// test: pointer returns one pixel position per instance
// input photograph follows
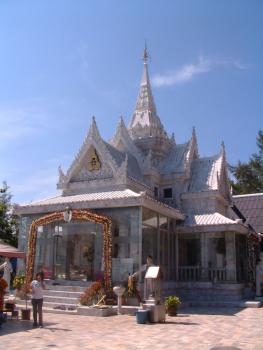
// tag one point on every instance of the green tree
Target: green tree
(8, 225)
(249, 176)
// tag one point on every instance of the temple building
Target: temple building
(136, 195)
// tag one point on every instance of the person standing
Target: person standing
(7, 268)
(3, 286)
(37, 288)
(146, 286)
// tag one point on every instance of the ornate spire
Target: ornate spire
(223, 150)
(145, 54)
(145, 121)
(93, 130)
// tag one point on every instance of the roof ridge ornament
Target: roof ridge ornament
(145, 56)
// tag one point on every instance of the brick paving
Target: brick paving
(192, 329)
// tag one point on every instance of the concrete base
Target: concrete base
(157, 312)
(253, 304)
(92, 311)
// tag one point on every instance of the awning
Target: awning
(10, 252)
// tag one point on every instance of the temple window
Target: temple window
(168, 192)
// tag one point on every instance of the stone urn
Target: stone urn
(119, 290)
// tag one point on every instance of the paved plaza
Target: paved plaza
(195, 329)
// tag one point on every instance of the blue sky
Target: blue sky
(61, 62)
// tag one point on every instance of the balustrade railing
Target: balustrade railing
(197, 273)
(189, 273)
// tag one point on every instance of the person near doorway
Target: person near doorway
(37, 288)
(7, 268)
(143, 269)
(3, 287)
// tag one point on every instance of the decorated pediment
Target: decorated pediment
(94, 163)
(93, 166)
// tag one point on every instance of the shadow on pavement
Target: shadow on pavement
(225, 348)
(16, 326)
(231, 311)
(183, 323)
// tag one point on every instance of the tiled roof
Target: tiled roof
(86, 197)
(208, 219)
(251, 206)
(204, 172)
(133, 166)
(176, 159)
(96, 200)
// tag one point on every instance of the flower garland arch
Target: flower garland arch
(76, 214)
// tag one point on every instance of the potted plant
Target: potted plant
(92, 294)
(25, 313)
(171, 304)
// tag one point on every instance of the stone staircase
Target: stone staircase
(59, 298)
(59, 295)
(206, 294)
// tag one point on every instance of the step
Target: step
(51, 304)
(226, 304)
(77, 289)
(60, 300)
(61, 293)
(51, 310)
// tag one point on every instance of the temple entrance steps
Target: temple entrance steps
(63, 295)
(207, 294)
(60, 298)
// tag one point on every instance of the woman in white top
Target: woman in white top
(7, 268)
(37, 287)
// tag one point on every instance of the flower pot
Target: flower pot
(25, 314)
(172, 310)
(142, 316)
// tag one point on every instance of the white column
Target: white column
(169, 243)
(230, 238)
(204, 257)
(176, 254)
(140, 242)
(158, 241)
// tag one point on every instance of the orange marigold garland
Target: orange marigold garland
(77, 214)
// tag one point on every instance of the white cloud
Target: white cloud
(19, 122)
(38, 186)
(189, 71)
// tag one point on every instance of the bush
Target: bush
(92, 294)
(172, 301)
(19, 281)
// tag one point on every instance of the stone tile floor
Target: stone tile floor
(192, 329)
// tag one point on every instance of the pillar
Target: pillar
(204, 256)
(176, 254)
(230, 239)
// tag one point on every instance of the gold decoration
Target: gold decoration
(77, 214)
(94, 162)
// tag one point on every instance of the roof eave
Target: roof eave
(237, 228)
(141, 200)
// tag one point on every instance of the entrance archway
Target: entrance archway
(75, 214)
